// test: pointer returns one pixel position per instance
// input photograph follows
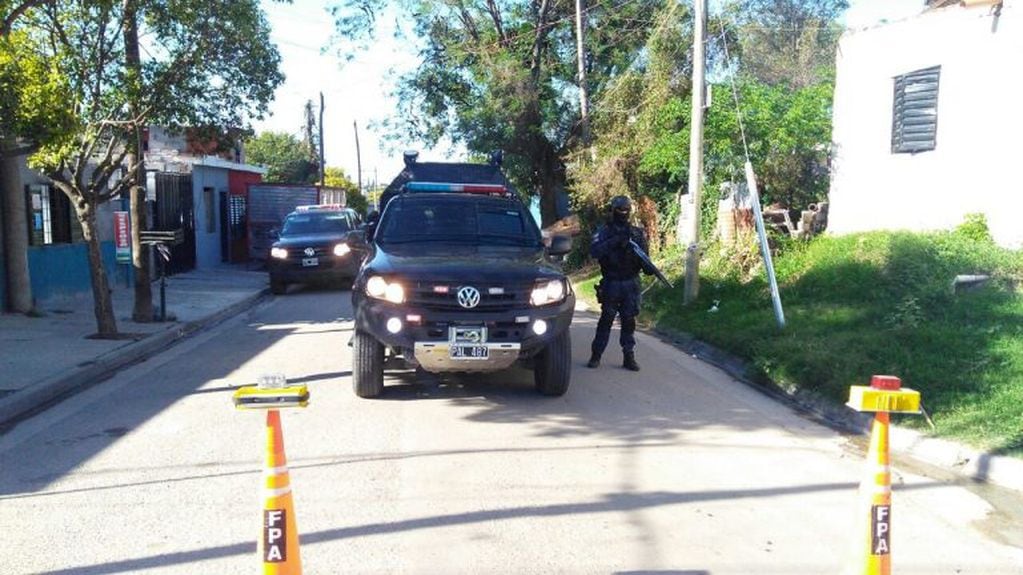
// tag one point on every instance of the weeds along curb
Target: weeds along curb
(823, 410)
(948, 456)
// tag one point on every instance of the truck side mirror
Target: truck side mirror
(370, 227)
(358, 237)
(560, 245)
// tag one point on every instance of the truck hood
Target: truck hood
(443, 262)
(310, 240)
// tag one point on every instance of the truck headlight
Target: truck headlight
(342, 249)
(547, 292)
(379, 288)
(279, 253)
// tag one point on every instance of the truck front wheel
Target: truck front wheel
(553, 368)
(367, 365)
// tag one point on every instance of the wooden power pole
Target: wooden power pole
(358, 155)
(692, 279)
(323, 160)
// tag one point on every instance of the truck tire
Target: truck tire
(277, 285)
(367, 366)
(552, 370)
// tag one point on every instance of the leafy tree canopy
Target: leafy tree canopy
(31, 89)
(284, 155)
(501, 75)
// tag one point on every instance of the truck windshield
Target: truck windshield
(458, 221)
(312, 223)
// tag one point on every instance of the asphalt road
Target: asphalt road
(674, 470)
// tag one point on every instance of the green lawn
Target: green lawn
(878, 303)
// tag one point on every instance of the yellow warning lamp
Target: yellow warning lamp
(271, 392)
(885, 394)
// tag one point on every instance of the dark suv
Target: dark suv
(313, 245)
(457, 281)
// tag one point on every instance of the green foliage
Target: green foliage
(212, 66)
(643, 126)
(874, 303)
(336, 178)
(31, 88)
(501, 75)
(285, 157)
(975, 227)
(790, 42)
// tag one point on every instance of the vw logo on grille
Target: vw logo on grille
(468, 297)
(310, 252)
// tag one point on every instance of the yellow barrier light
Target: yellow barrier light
(866, 398)
(253, 397)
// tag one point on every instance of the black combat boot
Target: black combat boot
(594, 360)
(629, 362)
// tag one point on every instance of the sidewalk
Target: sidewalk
(44, 357)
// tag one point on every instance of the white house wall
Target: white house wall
(975, 166)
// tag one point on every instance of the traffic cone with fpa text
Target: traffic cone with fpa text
(278, 541)
(885, 395)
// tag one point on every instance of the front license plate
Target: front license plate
(309, 262)
(469, 352)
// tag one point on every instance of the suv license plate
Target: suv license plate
(469, 352)
(309, 262)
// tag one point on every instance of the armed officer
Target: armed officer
(618, 291)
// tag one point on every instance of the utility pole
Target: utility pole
(692, 279)
(584, 105)
(358, 155)
(323, 160)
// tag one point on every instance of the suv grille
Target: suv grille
(443, 296)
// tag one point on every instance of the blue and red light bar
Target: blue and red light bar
(319, 208)
(491, 189)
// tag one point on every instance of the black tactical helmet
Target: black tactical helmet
(621, 209)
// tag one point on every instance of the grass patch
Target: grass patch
(877, 303)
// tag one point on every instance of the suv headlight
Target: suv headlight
(546, 292)
(279, 253)
(342, 249)
(379, 288)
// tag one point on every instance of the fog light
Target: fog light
(539, 327)
(394, 325)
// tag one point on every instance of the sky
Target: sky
(359, 90)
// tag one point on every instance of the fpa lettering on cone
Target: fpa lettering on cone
(885, 395)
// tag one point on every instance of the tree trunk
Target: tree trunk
(15, 237)
(142, 310)
(103, 307)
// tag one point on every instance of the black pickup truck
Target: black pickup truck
(458, 279)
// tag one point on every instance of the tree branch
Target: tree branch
(538, 42)
(8, 21)
(495, 15)
(467, 20)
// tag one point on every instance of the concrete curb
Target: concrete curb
(47, 391)
(954, 458)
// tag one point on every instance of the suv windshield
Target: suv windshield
(315, 223)
(457, 219)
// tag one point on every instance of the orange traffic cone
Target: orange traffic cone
(884, 396)
(278, 542)
(876, 495)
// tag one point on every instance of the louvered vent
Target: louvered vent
(915, 113)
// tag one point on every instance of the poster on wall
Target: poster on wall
(122, 237)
